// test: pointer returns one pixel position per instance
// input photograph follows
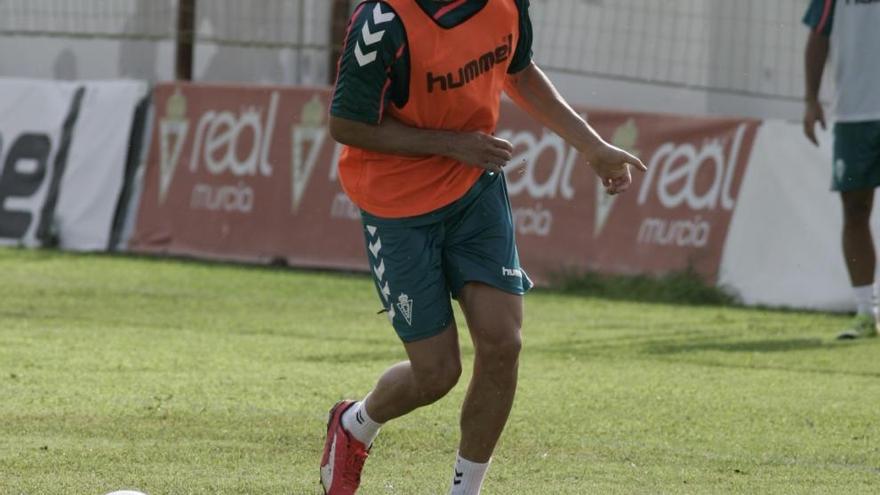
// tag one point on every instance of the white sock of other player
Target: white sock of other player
(865, 299)
(876, 301)
(467, 478)
(357, 422)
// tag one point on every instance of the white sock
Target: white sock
(876, 306)
(468, 477)
(865, 299)
(357, 422)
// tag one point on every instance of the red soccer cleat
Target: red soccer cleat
(344, 456)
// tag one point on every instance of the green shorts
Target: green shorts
(856, 156)
(418, 263)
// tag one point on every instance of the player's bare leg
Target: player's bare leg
(433, 368)
(861, 260)
(494, 318)
(431, 372)
(858, 245)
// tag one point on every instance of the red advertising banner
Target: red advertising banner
(249, 174)
(674, 217)
(245, 174)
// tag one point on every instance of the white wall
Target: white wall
(628, 95)
(784, 243)
(747, 46)
(68, 59)
(94, 54)
(679, 48)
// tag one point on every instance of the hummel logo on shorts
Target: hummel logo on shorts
(511, 272)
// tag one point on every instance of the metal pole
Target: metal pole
(301, 39)
(186, 24)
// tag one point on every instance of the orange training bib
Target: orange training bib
(457, 76)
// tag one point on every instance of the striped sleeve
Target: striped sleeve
(820, 16)
(373, 44)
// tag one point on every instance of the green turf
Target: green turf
(178, 378)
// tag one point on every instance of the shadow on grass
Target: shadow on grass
(612, 344)
(747, 346)
(664, 345)
(666, 350)
(389, 356)
(285, 331)
(771, 366)
(683, 287)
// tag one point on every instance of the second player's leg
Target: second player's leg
(494, 318)
(858, 244)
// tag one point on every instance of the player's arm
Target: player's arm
(532, 91)
(392, 137)
(819, 18)
(373, 63)
(815, 59)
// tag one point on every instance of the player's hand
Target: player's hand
(813, 114)
(481, 150)
(612, 165)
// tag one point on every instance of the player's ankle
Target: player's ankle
(359, 424)
(468, 476)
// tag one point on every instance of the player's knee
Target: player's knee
(501, 351)
(435, 382)
(856, 212)
(507, 351)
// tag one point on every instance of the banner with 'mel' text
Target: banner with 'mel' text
(63, 150)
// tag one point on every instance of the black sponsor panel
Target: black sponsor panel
(132, 165)
(46, 232)
(24, 170)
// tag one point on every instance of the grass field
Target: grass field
(178, 378)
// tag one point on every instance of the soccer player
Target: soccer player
(416, 102)
(855, 40)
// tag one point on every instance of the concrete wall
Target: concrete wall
(665, 55)
(92, 54)
(651, 55)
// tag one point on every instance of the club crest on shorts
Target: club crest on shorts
(405, 304)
